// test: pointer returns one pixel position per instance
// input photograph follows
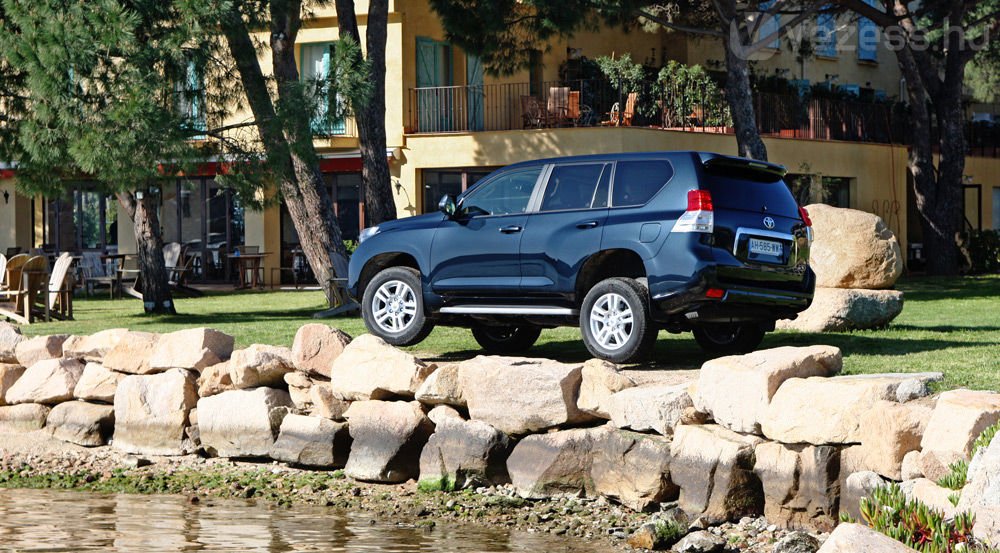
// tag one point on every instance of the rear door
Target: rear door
(566, 229)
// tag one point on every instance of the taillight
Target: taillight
(715, 293)
(699, 216)
(699, 200)
(805, 216)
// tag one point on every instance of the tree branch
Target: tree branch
(679, 28)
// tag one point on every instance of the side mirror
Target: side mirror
(447, 205)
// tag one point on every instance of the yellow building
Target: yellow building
(449, 123)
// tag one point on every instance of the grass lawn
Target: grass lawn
(948, 325)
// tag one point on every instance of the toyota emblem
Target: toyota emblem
(768, 222)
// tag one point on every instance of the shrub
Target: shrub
(983, 251)
(958, 474)
(887, 510)
(669, 532)
(984, 439)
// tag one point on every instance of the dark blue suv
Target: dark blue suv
(621, 245)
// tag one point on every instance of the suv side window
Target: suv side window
(505, 195)
(636, 182)
(574, 187)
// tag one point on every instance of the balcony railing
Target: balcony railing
(596, 103)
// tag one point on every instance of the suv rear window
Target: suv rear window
(749, 190)
(638, 181)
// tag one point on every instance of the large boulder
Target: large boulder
(25, 417)
(714, 468)
(81, 423)
(97, 384)
(442, 387)
(191, 348)
(151, 413)
(95, 346)
(853, 249)
(312, 442)
(325, 404)
(555, 464)
(10, 337)
(9, 374)
(931, 494)
(50, 382)
(736, 390)
(632, 469)
(369, 368)
(827, 410)
(260, 365)
(801, 485)
(599, 381)
(316, 347)
(840, 310)
(890, 432)
(959, 417)
(39, 348)
(242, 423)
(982, 492)
(464, 454)
(215, 380)
(519, 395)
(388, 437)
(132, 353)
(855, 538)
(652, 408)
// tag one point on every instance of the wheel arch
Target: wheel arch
(607, 264)
(381, 262)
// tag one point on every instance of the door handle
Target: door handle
(512, 229)
(588, 224)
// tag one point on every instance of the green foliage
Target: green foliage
(669, 531)
(985, 438)
(627, 77)
(691, 90)
(430, 485)
(915, 524)
(982, 248)
(958, 474)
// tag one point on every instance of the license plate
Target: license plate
(765, 247)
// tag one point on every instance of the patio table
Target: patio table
(248, 262)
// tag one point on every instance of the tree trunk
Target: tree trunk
(943, 220)
(739, 96)
(288, 141)
(379, 203)
(156, 296)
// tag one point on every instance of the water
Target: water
(47, 520)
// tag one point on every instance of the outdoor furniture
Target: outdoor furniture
(619, 118)
(59, 293)
(129, 277)
(12, 251)
(299, 269)
(98, 270)
(249, 269)
(558, 105)
(178, 268)
(3, 270)
(12, 272)
(18, 300)
(532, 114)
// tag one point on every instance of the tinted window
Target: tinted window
(572, 187)
(638, 181)
(743, 189)
(504, 195)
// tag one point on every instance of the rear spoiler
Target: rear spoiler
(749, 167)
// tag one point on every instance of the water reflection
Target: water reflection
(46, 520)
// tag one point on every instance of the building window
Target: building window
(826, 35)
(437, 183)
(535, 76)
(769, 24)
(82, 220)
(868, 36)
(191, 100)
(207, 219)
(315, 60)
(808, 189)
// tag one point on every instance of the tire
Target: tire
(506, 340)
(633, 342)
(729, 339)
(393, 307)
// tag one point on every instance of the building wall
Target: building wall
(15, 214)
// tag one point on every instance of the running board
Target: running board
(509, 310)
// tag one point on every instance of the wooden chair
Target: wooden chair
(59, 294)
(532, 114)
(623, 118)
(12, 251)
(558, 105)
(3, 270)
(18, 300)
(12, 272)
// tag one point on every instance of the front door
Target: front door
(433, 93)
(476, 253)
(476, 91)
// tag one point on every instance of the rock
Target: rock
(656, 408)
(891, 431)
(519, 395)
(599, 381)
(632, 469)
(982, 493)
(800, 483)
(133, 462)
(442, 388)
(9, 374)
(316, 347)
(856, 486)
(214, 380)
(700, 541)
(736, 390)
(325, 405)
(935, 465)
(312, 442)
(444, 412)
(646, 537)
(95, 346)
(151, 413)
(50, 382)
(25, 417)
(97, 384)
(10, 337)
(853, 249)
(31, 351)
(910, 469)
(826, 410)
(191, 348)
(464, 454)
(299, 385)
(959, 417)
(260, 365)
(249, 434)
(931, 494)
(854, 538)
(132, 353)
(555, 464)
(388, 437)
(369, 368)
(837, 310)
(797, 542)
(714, 468)
(81, 423)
